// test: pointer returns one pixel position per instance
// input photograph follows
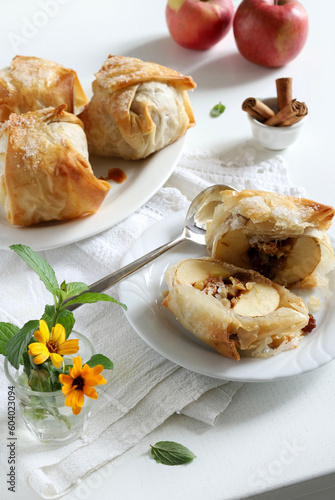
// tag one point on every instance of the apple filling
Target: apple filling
(245, 297)
(232, 309)
(287, 262)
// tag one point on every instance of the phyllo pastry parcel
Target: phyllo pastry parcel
(32, 83)
(234, 310)
(137, 108)
(282, 237)
(44, 170)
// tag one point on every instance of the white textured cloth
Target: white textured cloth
(144, 389)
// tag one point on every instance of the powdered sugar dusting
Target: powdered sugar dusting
(254, 206)
(118, 72)
(32, 71)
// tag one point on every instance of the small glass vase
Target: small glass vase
(45, 413)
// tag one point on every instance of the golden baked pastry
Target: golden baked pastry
(32, 83)
(137, 108)
(44, 170)
(234, 310)
(282, 237)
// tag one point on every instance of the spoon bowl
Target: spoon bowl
(200, 211)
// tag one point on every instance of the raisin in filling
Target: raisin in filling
(311, 324)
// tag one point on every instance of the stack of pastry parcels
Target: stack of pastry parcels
(260, 245)
(137, 108)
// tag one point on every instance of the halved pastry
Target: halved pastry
(44, 170)
(282, 237)
(234, 310)
(137, 108)
(32, 83)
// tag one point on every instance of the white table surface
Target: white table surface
(273, 435)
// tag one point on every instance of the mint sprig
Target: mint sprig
(77, 290)
(14, 341)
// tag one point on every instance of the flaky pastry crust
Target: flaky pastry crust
(46, 174)
(137, 108)
(205, 296)
(32, 83)
(283, 237)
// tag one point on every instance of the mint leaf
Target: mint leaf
(7, 330)
(100, 359)
(39, 265)
(18, 343)
(26, 362)
(66, 319)
(171, 453)
(48, 316)
(91, 298)
(96, 359)
(217, 110)
(54, 373)
(40, 380)
(75, 288)
(70, 290)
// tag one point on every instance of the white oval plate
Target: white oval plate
(142, 292)
(144, 178)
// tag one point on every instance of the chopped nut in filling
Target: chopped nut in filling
(277, 340)
(225, 290)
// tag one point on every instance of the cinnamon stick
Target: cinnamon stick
(302, 111)
(289, 115)
(284, 92)
(257, 109)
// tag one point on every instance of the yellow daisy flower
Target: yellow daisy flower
(51, 345)
(79, 383)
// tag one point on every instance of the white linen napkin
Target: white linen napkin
(144, 389)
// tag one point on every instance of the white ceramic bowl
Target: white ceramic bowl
(275, 138)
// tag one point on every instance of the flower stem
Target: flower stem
(53, 410)
(58, 305)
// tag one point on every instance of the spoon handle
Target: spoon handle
(111, 279)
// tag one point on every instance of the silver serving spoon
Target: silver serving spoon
(200, 210)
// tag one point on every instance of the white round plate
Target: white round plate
(144, 178)
(143, 291)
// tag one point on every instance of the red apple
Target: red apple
(270, 32)
(199, 24)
